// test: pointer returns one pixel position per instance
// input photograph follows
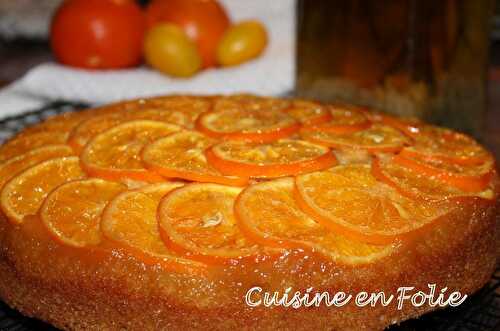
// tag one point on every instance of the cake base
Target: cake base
(110, 291)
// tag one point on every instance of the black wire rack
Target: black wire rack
(480, 312)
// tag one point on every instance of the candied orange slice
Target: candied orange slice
(268, 214)
(344, 120)
(88, 129)
(435, 143)
(198, 221)
(249, 102)
(468, 178)
(23, 194)
(181, 155)
(347, 119)
(408, 125)
(417, 185)
(72, 212)
(378, 138)
(26, 141)
(130, 221)
(275, 159)
(83, 133)
(183, 109)
(350, 201)
(115, 153)
(63, 122)
(17, 164)
(247, 124)
(309, 112)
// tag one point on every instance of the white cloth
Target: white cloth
(271, 74)
(14, 100)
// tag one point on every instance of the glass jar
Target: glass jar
(421, 58)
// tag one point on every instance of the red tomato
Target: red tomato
(204, 21)
(100, 34)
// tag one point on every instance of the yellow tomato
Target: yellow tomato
(168, 49)
(242, 42)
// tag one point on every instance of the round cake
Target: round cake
(242, 212)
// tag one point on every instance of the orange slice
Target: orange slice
(344, 120)
(416, 185)
(468, 178)
(88, 129)
(198, 221)
(83, 133)
(408, 125)
(249, 102)
(115, 153)
(435, 143)
(183, 109)
(378, 138)
(72, 212)
(308, 112)
(268, 214)
(352, 156)
(275, 159)
(181, 155)
(17, 164)
(23, 194)
(350, 201)
(244, 124)
(27, 141)
(130, 221)
(62, 122)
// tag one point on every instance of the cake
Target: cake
(235, 212)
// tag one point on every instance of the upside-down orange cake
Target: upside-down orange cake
(192, 213)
